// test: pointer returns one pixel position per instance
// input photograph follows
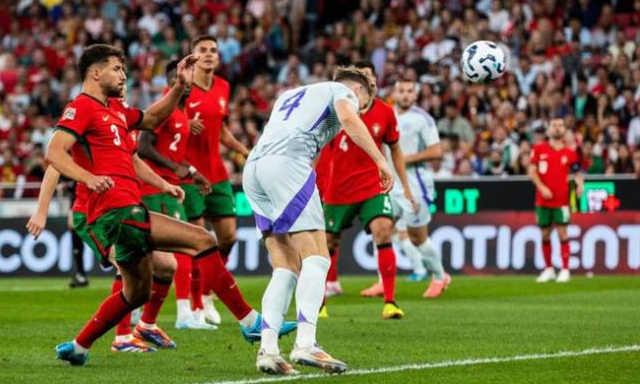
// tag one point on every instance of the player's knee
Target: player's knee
(138, 295)
(383, 234)
(204, 240)
(166, 270)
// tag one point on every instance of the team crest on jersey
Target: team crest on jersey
(223, 103)
(376, 129)
(69, 114)
(563, 160)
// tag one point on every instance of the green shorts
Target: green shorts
(81, 228)
(127, 228)
(340, 216)
(218, 203)
(165, 204)
(547, 216)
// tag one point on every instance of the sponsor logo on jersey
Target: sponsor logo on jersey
(178, 125)
(193, 105)
(69, 114)
(105, 118)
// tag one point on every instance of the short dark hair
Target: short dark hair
(363, 64)
(171, 67)
(97, 54)
(202, 38)
(354, 74)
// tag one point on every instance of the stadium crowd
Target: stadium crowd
(576, 58)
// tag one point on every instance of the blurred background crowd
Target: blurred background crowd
(576, 58)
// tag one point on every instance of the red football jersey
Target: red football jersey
(323, 167)
(553, 168)
(212, 107)
(104, 147)
(171, 143)
(82, 196)
(354, 176)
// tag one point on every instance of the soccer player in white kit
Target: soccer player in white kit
(420, 142)
(279, 182)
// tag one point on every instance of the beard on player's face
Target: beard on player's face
(112, 90)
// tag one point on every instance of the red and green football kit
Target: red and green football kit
(203, 152)
(353, 185)
(554, 167)
(105, 147)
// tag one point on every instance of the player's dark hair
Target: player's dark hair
(97, 54)
(171, 67)
(357, 75)
(365, 64)
(202, 38)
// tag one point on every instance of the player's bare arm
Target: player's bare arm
(579, 179)
(147, 175)
(535, 178)
(161, 109)
(432, 152)
(58, 156)
(398, 158)
(357, 131)
(226, 138)
(38, 221)
(202, 182)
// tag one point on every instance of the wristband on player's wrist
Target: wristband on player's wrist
(192, 170)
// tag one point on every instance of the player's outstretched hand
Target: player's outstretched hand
(100, 184)
(185, 69)
(203, 183)
(546, 192)
(174, 191)
(386, 177)
(36, 223)
(196, 126)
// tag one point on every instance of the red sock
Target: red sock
(546, 253)
(224, 285)
(564, 253)
(112, 310)
(196, 286)
(332, 274)
(207, 273)
(124, 326)
(159, 291)
(387, 268)
(182, 277)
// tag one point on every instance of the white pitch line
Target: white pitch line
(441, 364)
(47, 289)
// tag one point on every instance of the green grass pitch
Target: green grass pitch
(477, 318)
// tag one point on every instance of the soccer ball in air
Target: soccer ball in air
(483, 62)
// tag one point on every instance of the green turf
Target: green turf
(476, 318)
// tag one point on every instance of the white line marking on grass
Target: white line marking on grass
(441, 364)
(49, 288)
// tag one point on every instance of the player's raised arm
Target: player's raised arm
(38, 221)
(161, 109)
(357, 131)
(58, 156)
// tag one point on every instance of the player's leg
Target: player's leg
(220, 209)
(333, 287)
(543, 218)
(561, 225)
(311, 246)
(401, 238)
(194, 207)
(164, 267)
(276, 301)
(337, 218)
(79, 279)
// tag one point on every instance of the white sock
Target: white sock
(79, 348)
(124, 338)
(250, 319)
(147, 326)
(413, 253)
(309, 295)
(184, 309)
(275, 303)
(432, 259)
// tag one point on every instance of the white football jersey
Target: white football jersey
(303, 121)
(418, 131)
